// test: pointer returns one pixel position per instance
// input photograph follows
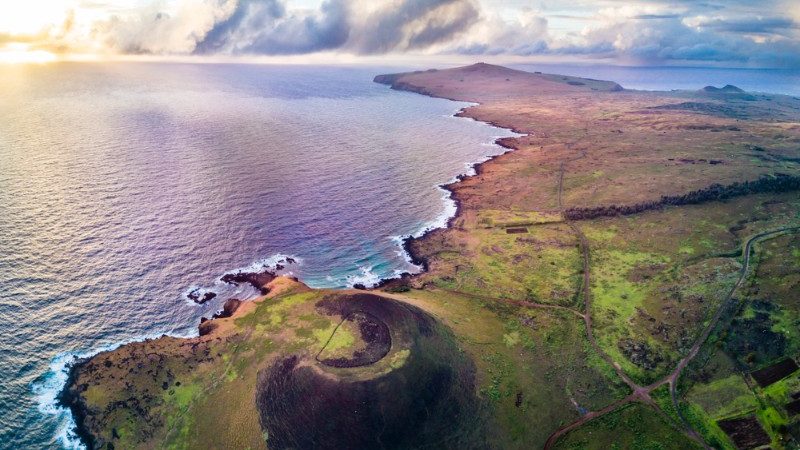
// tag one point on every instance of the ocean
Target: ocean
(125, 186)
(665, 78)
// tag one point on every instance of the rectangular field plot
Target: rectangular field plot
(776, 372)
(793, 408)
(745, 432)
(516, 230)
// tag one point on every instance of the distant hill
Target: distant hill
(488, 78)
(727, 89)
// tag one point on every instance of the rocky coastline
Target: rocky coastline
(508, 143)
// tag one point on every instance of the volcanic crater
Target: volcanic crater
(401, 383)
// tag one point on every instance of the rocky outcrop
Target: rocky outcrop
(230, 307)
(200, 297)
(258, 280)
(206, 326)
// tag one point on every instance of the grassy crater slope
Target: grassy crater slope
(532, 327)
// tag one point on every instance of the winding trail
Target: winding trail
(507, 301)
(674, 377)
(642, 393)
(585, 287)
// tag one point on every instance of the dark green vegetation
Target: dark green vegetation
(627, 278)
(749, 369)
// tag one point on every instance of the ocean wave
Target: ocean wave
(272, 263)
(278, 263)
(365, 277)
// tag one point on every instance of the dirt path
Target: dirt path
(642, 393)
(639, 393)
(508, 301)
(551, 441)
(586, 283)
(673, 378)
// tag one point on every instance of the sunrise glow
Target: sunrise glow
(21, 53)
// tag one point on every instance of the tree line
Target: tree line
(779, 182)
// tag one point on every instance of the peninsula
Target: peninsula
(627, 275)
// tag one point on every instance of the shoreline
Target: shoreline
(477, 167)
(506, 143)
(76, 414)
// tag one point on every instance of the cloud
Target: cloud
(651, 32)
(268, 27)
(656, 16)
(157, 29)
(759, 25)
(637, 31)
(526, 34)
(411, 25)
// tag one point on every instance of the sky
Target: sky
(730, 33)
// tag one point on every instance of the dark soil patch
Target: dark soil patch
(751, 341)
(793, 408)
(709, 127)
(745, 432)
(640, 353)
(709, 108)
(776, 372)
(518, 230)
(645, 272)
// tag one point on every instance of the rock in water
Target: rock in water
(258, 280)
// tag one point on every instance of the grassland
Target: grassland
(531, 328)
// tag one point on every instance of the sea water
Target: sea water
(123, 186)
(666, 78)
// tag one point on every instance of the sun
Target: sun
(22, 54)
(31, 16)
